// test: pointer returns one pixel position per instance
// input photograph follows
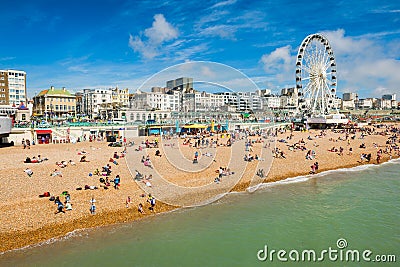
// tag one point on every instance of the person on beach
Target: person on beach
(68, 206)
(140, 208)
(128, 201)
(314, 168)
(83, 159)
(60, 205)
(152, 202)
(93, 206)
(117, 181)
(23, 143)
(67, 198)
(350, 151)
(56, 173)
(28, 171)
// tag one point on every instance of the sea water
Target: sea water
(356, 210)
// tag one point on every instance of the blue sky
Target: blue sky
(105, 43)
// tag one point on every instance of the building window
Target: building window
(23, 117)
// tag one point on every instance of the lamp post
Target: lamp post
(51, 114)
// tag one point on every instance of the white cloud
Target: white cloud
(224, 3)
(79, 68)
(206, 71)
(160, 32)
(147, 51)
(277, 59)
(222, 31)
(280, 63)
(223, 24)
(365, 64)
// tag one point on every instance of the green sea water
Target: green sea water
(360, 206)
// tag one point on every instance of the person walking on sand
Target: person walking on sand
(93, 206)
(152, 202)
(128, 201)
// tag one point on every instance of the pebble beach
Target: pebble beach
(28, 219)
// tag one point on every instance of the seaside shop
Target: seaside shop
(44, 136)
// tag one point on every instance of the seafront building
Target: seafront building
(105, 104)
(12, 87)
(157, 99)
(54, 104)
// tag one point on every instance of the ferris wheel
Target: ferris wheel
(316, 78)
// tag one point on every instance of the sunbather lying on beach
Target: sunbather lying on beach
(29, 172)
(56, 173)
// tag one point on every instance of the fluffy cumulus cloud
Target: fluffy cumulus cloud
(149, 42)
(364, 64)
(280, 63)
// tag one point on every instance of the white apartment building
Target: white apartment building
(243, 101)
(12, 87)
(386, 104)
(231, 99)
(156, 100)
(271, 102)
(348, 105)
(202, 101)
(96, 100)
(366, 103)
(249, 101)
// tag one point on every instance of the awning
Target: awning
(43, 131)
(194, 126)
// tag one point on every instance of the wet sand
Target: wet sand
(27, 219)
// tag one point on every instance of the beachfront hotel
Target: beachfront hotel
(54, 103)
(12, 87)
